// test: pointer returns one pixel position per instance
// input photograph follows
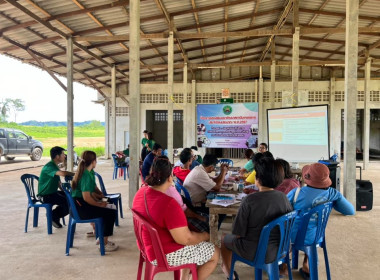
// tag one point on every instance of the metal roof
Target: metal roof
(34, 31)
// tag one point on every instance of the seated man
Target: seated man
(263, 147)
(186, 158)
(198, 182)
(194, 162)
(49, 182)
(148, 161)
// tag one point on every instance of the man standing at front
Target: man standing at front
(49, 182)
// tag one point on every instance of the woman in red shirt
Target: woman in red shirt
(180, 245)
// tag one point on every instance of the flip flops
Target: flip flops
(90, 234)
(304, 274)
(236, 276)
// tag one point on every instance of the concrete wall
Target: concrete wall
(154, 97)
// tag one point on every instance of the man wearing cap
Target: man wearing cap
(317, 191)
(49, 182)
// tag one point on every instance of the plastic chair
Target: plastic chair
(28, 181)
(180, 188)
(285, 225)
(114, 197)
(162, 264)
(123, 168)
(230, 162)
(75, 219)
(320, 215)
(68, 178)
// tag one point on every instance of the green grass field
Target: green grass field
(85, 137)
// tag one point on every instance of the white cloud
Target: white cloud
(44, 99)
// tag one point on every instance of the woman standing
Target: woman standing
(144, 141)
(180, 245)
(150, 143)
(88, 199)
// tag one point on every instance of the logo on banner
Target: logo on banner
(227, 110)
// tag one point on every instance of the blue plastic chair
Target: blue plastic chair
(75, 219)
(285, 224)
(114, 197)
(28, 181)
(230, 162)
(118, 166)
(320, 215)
(180, 188)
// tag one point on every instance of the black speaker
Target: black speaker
(334, 176)
(364, 195)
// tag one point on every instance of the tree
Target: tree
(8, 104)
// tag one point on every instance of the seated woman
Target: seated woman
(289, 182)
(88, 200)
(248, 167)
(180, 245)
(257, 210)
(251, 178)
(316, 192)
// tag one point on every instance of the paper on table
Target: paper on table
(224, 203)
(240, 196)
(111, 206)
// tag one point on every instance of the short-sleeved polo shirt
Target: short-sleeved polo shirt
(198, 183)
(249, 166)
(85, 184)
(144, 141)
(48, 182)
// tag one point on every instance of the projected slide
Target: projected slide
(299, 134)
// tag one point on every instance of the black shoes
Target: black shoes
(57, 224)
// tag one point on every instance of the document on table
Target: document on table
(240, 196)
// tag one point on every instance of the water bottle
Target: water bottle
(241, 186)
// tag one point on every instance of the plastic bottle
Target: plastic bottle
(241, 185)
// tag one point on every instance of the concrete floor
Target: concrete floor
(353, 242)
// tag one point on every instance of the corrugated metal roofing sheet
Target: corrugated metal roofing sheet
(114, 20)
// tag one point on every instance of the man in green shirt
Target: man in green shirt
(49, 182)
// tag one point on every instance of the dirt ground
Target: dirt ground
(353, 242)
(79, 141)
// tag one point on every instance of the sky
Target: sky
(44, 99)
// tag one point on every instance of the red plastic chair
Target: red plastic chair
(162, 265)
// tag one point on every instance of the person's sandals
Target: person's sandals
(110, 246)
(90, 234)
(305, 275)
(236, 276)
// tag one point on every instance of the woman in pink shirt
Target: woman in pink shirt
(289, 182)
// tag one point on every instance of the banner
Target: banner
(227, 125)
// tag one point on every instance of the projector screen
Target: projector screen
(299, 134)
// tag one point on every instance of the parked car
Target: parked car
(14, 142)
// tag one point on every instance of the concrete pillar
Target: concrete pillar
(70, 105)
(367, 88)
(113, 118)
(295, 63)
(170, 94)
(134, 98)
(193, 115)
(107, 129)
(272, 84)
(261, 107)
(333, 130)
(185, 112)
(351, 90)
